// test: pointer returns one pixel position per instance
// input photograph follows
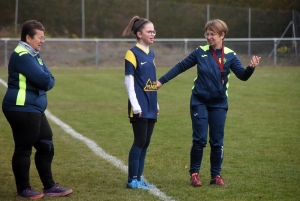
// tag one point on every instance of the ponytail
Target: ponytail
(135, 24)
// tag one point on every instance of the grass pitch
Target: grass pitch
(261, 160)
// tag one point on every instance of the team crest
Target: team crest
(224, 60)
(150, 86)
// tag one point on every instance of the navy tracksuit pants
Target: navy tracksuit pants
(207, 116)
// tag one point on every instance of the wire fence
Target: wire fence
(86, 33)
(108, 18)
(108, 53)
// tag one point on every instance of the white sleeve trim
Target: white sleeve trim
(129, 83)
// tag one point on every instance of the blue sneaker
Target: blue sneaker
(29, 193)
(134, 184)
(143, 183)
(57, 190)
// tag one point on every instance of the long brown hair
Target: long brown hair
(136, 24)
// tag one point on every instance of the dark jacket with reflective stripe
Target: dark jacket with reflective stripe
(28, 80)
(208, 83)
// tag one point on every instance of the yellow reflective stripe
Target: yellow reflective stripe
(131, 58)
(40, 61)
(205, 48)
(21, 50)
(194, 81)
(227, 84)
(22, 90)
(227, 50)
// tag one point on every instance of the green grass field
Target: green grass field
(262, 152)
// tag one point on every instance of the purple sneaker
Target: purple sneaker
(57, 190)
(29, 193)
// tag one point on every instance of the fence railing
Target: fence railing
(108, 19)
(109, 52)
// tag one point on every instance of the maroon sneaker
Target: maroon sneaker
(195, 180)
(218, 180)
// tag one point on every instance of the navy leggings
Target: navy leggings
(142, 133)
(142, 130)
(212, 116)
(31, 130)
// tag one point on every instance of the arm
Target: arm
(30, 68)
(182, 66)
(52, 80)
(132, 95)
(240, 71)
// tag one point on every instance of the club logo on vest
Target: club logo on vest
(150, 86)
(224, 60)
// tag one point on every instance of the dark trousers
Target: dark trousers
(212, 116)
(31, 130)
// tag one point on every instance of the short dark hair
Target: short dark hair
(29, 27)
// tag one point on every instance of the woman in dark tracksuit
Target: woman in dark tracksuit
(208, 105)
(24, 105)
(140, 82)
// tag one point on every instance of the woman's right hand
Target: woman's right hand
(254, 61)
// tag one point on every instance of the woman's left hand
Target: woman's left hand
(254, 61)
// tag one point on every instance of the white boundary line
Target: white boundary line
(98, 150)
(3, 82)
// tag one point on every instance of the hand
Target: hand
(158, 111)
(158, 84)
(140, 114)
(254, 61)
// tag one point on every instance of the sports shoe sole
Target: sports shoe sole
(31, 197)
(67, 192)
(196, 185)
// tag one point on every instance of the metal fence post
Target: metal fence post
(147, 9)
(185, 46)
(249, 31)
(83, 18)
(275, 52)
(294, 35)
(97, 53)
(207, 12)
(5, 54)
(16, 16)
